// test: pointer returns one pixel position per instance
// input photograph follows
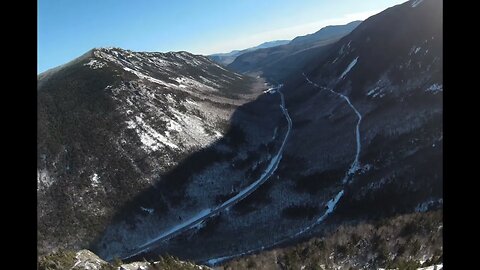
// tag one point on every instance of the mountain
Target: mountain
(359, 139)
(269, 44)
(227, 58)
(328, 32)
(279, 62)
(113, 121)
(352, 138)
(373, 106)
(365, 142)
(366, 145)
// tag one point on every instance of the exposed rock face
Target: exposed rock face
(81, 260)
(87, 260)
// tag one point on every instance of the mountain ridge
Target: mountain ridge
(325, 32)
(279, 62)
(227, 58)
(132, 145)
(91, 107)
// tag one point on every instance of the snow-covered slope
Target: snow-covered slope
(143, 154)
(112, 122)
(398, 166)
(393, 80)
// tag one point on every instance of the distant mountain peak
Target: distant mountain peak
(279, 61)
(326, 32)
(227, 58)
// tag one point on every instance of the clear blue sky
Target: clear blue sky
(69, 28)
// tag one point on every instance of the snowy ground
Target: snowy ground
(206, 213)
(331, 204)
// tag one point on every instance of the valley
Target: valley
(202, 216)
(316, 150)
(330, 206)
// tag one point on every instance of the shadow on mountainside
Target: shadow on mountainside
(401, 139)
(251, 124)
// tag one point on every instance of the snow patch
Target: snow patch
(423, 207)
(350, 66)
(170, 99)
(191, 102)
(87, 260)
(150, 138)
(270, 90)
(331, 204)
(414, 50)
(180, 81)
(187, 82)
(416, 3)
(344, 48)
(372, 92)
(215, 261)
(94, 178)
(131, 124)
(135, 266)
(432, 267)
(148, 210)
(435, 88)
(146, 77)
(172, 125)
(194, 125)
(376, 92)
(44, 179)
(95, 64)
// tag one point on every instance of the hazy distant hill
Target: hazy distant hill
(277, 63)
(227, 58)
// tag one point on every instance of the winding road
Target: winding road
(205, 214)
(355, 165)
(331, 204)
